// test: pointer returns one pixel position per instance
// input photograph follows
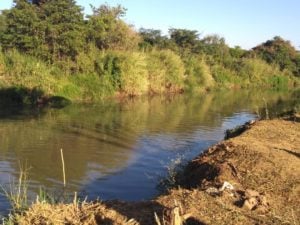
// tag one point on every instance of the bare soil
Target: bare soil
(259, 171)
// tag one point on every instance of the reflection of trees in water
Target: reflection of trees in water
(101, 138)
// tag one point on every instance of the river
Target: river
(121, 150)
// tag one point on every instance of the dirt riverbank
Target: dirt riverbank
(253, 178)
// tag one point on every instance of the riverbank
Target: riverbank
(249, 179)
(28, 80)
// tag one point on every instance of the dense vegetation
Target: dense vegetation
(49, 48)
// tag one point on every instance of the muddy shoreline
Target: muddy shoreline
(252, 178)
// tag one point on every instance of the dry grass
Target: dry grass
(16, 193)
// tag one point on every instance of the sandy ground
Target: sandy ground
(253, 178)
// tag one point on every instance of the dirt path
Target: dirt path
(250, 179)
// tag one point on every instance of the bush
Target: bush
(198, 74)
(166, 71)
(259, 72)
(123, 72)
(221, 75)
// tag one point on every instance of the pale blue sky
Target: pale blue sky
(242, 22)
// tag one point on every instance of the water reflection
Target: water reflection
(115, 150)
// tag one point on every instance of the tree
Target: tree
(2, 23)
(21, 27)
(51, 29)
(237, 52)
(38, 2)
(108, 31)
(63, 24)
(215, 46)
(278, 51)
(153, 38)
(186, 40)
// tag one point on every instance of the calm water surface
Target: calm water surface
(121, 150)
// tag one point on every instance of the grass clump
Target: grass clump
(223, 76)
(133, 73)
(166, 71)
(256, 71)
(16, 193)
(199, 76)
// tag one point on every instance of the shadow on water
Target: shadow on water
(21, 96)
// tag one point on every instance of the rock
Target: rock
(251, 193)
(250, 203)
(212, 191)
(263, 201)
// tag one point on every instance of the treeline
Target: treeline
(50, 48)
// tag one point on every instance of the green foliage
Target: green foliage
(278, 51)
(279, 81)
(153, 39)
(52, 30)
(21, 27)
(2, 24)
(62, 22)
(186, 40)
(166, 72)
(49, 50)
(215, 47)
(108, 31)
(86, 61)
(258, 72)
(133, 73)
(86, 87)
(297, 62)
(222, 76)
(198, 74)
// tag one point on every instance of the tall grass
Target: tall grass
(166, 71)
(16, 193)
(96, 75)
(199, 76)
(258, 72)
(133, 73)
(223, 76)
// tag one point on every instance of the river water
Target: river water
(122, 149)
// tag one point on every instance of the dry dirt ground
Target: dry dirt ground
(253, 178)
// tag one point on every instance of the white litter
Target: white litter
(226, 185)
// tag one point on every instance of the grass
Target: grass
(16, 193)
(97, 75)
(199, 75)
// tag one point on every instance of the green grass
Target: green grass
(198, 74)
(166, 71)
(97, 75)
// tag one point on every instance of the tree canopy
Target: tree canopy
(57, 30)
(279, 51)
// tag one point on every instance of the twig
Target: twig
(63, 166)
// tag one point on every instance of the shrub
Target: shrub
(259, 72)
(198, 73)
(166, 71)
(123, 72)
(222, 75)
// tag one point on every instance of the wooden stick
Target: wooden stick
(63, 166)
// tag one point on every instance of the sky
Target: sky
(245, 23)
